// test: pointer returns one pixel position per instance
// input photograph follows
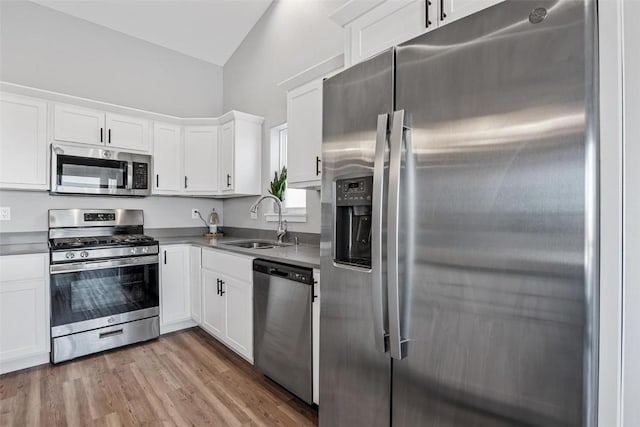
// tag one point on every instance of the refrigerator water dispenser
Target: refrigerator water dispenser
(353, 221)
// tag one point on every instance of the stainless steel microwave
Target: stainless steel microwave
(97, 171)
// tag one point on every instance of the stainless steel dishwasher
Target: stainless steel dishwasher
(282, 347)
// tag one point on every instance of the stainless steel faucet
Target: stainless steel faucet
(282, 224)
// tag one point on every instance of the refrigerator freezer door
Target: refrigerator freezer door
(497, 285)
(354, 368)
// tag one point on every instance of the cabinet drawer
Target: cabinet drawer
(232, 265)
(22, 267)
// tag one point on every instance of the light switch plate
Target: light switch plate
(5, 214)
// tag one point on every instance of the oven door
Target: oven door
(90, 295)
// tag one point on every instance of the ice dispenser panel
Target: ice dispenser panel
(353, 221)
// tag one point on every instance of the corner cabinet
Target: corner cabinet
(240, 152)
(23, 143)
(222, 160)
(391, 22)
(24, 311)
(227, 299)
(304, 135)
(175, 288)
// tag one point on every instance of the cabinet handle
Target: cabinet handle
(101, 133)
(221, 287)
(318, 171)
(442, 14)
(165, 257)
(157, 180)
(218, 288)
(185, 182)
(228, 180)
(110, 333)
(426, 12)
(109, 136)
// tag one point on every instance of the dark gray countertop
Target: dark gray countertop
(302, 255)
(305, 255)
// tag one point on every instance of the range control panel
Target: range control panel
(99, 217)
(354, 191)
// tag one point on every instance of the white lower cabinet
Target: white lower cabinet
(175, 288)
(213, 305)
(24, 311)
(227, 299)
(315, 322)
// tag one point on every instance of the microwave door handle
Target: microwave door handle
(398, 344)
(380, 319)
(129, 184)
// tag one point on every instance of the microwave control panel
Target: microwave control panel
(140, 176)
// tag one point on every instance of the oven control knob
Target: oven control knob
(84, 254)
(133, 251)
(69, 255)
(145, 250)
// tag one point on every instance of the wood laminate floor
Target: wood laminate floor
(182, 379)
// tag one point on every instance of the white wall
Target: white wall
(29, 209)
(46, 49)
(631, 270)
(290, 37)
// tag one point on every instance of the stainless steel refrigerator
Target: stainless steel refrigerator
(459, 226)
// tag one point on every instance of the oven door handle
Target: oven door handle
(101, 265)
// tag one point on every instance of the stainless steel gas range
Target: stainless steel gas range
(104, 281)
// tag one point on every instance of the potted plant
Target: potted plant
(278, 185)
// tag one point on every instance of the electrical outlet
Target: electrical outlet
(194, 213)
(5, 214)
(254, 215)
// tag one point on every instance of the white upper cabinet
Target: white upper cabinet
(304, 135)
(201, 159)
(87, 126)
(390, 23)
(456, 9)
(167, 159)
(23, 143)
(129, 133)
(76, 124)
(375, 25)
(240, 156)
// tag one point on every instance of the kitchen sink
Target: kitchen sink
(255, 244)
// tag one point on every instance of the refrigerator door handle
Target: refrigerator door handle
(380, 318)
(398, 345)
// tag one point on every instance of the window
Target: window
(295, 200)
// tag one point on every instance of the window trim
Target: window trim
(289, 214)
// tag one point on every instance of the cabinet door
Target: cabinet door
(304, 136)
(201, 159)
(388, 24)
(315, 328)
(23, 143)
(167, 159)
(175, 303)
(239, 299)
(195, 266)
(76, 124)
(213, 305)
(227, 144)
(24, 310)
(456, 9)
(127, 132)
